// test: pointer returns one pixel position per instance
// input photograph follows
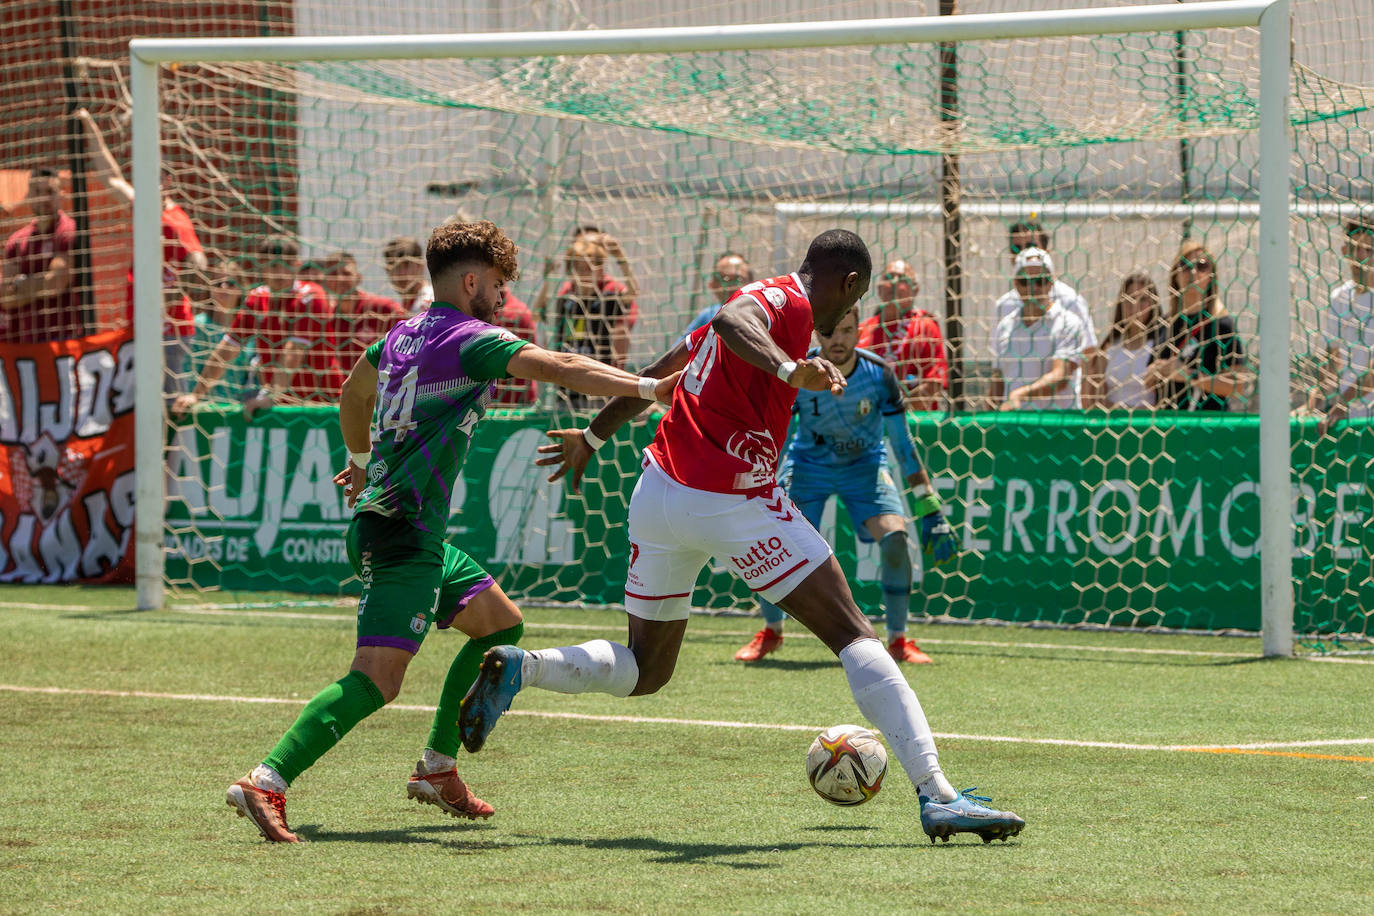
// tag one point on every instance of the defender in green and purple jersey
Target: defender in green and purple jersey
(407, 411)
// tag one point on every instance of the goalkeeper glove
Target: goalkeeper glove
(937, 538)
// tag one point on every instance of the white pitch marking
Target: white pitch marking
(703, 723)
(221, 610)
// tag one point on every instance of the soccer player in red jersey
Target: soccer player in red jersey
(709, 489)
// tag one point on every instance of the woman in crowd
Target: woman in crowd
(213, 318)
(1117, 372)
(1201, 363)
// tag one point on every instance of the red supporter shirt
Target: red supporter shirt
(913, 346)
(361, 319)
(515, 317)
(728, 423)
(47, 317)
(179, 242)
(302, 315)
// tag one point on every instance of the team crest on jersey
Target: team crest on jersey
(865, 407)
(507, 336)
(418, 623)
(757, 448)
(775, 296)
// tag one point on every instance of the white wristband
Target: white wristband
(646, 388)
(593, 439)
(921, 491)
(786, 369)
(360, 459)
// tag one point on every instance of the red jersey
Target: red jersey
(179, 242)
(515, 316)
(304, 316)
(728, 423)
(913, 346)
(56, 317)
(360, 319)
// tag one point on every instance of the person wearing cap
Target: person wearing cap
(1038, 349)
(1029, 233)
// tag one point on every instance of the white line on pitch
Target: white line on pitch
(233, 611)
(704, 723)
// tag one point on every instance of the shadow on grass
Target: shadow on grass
(742, 856)
(458, 837)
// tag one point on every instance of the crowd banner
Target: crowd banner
(67, 460)
(1067, 512)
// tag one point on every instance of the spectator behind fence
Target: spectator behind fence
(404, 261)
(908, 338)
(292, 322)
(38, 299)
(214, 317)
(731, 272)
(1038, 349)
(1031, 234)
(1116, 375)
(590, 311)
(183, 261)
(1200, 365)
(360, 317)
(515, 316)
(1345, 384)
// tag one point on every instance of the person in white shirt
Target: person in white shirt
(1116, 376)
(1038, 350)
(1031, 234)
(1345, 385)
(404, 261)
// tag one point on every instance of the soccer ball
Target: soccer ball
(846, 765)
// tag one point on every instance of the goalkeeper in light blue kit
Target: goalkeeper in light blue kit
(837, 447)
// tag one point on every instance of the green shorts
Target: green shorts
(410, 579)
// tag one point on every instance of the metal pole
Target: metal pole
(76, 151)
(1034, 24)
(1185, 149)
(953, 225)
(148, 419)
(1276, 526)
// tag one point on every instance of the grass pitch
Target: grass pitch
(1157, 774)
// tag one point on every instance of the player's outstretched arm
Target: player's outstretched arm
(740, 325)
(572, 449)
(585, 375)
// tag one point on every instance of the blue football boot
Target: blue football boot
(966, 814)
(498, 681)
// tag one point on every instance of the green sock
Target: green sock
(443, 734)
(323, 723)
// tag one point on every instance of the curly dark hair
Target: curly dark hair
(463, 244)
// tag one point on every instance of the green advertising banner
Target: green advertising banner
(1063, 518)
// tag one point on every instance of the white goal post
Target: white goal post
(1270, 17)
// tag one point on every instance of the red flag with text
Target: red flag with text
(67, 460)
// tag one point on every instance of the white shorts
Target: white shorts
(676, 530)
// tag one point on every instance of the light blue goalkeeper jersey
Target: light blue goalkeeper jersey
(831, 434)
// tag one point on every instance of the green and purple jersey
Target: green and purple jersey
(435, 374)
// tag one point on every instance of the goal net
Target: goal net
(1123, 155)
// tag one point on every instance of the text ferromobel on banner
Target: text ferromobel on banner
(67, 460)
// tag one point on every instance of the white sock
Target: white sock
(434, 762)
(887, 700)
(264, 777)
(599, 666)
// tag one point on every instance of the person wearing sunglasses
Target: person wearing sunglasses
(908, 338)
(1201, 364)
(1028, 234)
(1038, 349)
(214, 316)
(1345, 385)
(732, 271)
